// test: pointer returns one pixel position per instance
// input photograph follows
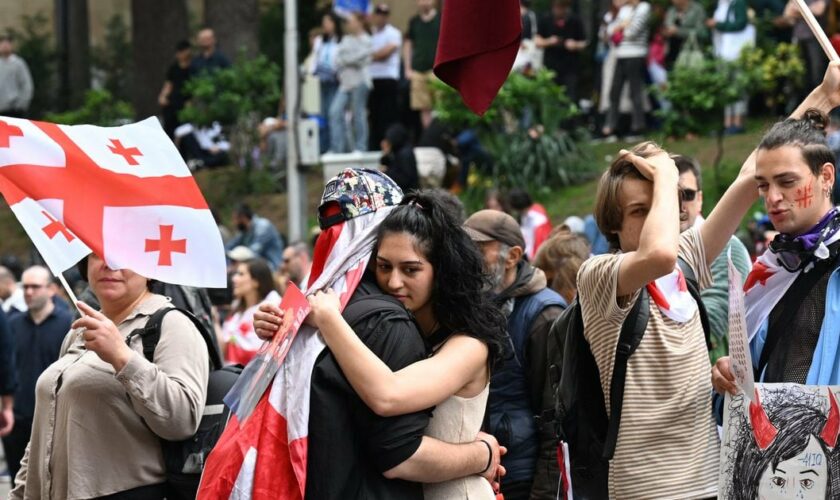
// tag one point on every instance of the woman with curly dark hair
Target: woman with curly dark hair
(425, 259)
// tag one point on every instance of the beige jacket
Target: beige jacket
(96, 432)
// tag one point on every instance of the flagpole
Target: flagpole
(294, 195)
(70, 293)
(817, 30)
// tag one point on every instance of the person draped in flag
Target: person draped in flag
(424, 259)
(313, 437)
(791, 294)
(102, 408)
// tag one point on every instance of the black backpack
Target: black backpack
(185, 459)
(580, 418)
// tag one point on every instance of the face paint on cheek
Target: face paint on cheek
(804, 196)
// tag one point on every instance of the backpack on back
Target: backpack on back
(184, 459)
(580, 417)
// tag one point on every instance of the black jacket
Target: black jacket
(350, 446)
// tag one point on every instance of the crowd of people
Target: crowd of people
(469, 335)
(446, 385)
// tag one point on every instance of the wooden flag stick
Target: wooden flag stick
(817, 30)
(70, 293)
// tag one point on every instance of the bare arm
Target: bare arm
(418, 386)
(656, 255)
(407, 51)
(727, 214)
(385, 52)
(163, 98)
(436, 461)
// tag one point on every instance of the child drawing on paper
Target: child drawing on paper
(787, 451)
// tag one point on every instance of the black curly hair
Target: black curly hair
(461, 301)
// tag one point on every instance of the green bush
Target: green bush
(776, 72)
(35, 45)
(524, 132)
(99, 108)
(227, 95)
(237, 97)
(699, 95)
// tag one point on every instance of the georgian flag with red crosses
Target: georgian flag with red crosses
(123, 193)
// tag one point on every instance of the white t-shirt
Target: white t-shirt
(389, 68)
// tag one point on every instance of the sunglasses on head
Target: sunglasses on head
(688, 194)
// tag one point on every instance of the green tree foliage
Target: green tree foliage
(111, 59)
(777, 72)
(228, 95)
(525, 132)
(100, 108)
(699, 95)
(237, 97)
(36, 46)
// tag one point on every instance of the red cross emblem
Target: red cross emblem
(87, 189)
(55, 227)
(166, 246)
(127, 153)
(7, 132)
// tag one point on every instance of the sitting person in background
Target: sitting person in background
(202, 147)
(253, 283)
(258, 234)
(274, 139)
(398, 158)
(560, 258)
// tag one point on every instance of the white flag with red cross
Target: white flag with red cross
(123, 193)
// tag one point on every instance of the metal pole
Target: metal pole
(291, 79)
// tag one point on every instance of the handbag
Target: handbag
(691, 55)
(617, 37)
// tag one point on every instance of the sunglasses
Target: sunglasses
(688, 194)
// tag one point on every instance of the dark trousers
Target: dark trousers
(152, 492)
(631, 70)
(383, 109)
(14, 113)
(815, 61)
(191, 150)
(516, 490)
(14, 445)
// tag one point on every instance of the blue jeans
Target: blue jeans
(328, 91)
(357, 99)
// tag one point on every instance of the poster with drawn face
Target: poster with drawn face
(781, 445)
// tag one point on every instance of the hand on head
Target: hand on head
(658, 162)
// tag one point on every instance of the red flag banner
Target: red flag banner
(123, 193)
(478, 43)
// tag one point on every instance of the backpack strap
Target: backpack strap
(366, 306)
(629, 339)
(631, 335)
(150, 335)
(694, 290)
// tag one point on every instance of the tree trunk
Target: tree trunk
(156, 26)
(236, 25)
(73, 41)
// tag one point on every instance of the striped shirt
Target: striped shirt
(667, 443)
